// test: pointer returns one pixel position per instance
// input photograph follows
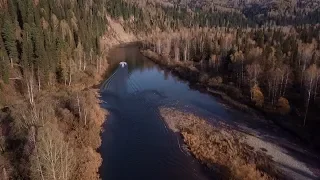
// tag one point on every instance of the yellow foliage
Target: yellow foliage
(257, 96)
(283, 105)
(219, 148)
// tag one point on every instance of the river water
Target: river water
(137, 144)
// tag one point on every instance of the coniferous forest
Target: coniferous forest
(263, 55)
(42, 36)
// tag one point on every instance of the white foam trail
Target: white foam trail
(106, 83)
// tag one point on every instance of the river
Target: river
(136, 143)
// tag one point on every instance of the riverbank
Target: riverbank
(232, 96)
(223, 150)
(233, 153)
(291, 157)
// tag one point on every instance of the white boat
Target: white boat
(123, 64)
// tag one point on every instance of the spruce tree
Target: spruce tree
(8, 35)
(4, 67)
(4, 61)
(27, 48)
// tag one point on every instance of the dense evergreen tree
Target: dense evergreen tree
(4, 63)
(34, 34)
(8, 35)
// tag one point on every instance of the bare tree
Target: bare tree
(167, 48)
(4, 174)
(253, 72)
(79, 106)
(79, 54)
(285, 73)
(84, 62)
(158, 46)
(305, 57)
(315, 92)
(186, 49)
(201, 43)
(215, 62)
(309, 83)
(70, 72)
(3, 4)
(53, 158)
(176, 50)
(277, 80)
(39, 79)
(30, 86)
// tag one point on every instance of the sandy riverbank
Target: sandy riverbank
(231, 153)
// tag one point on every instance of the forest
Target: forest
(51, 51)
(38, 36)
(272, 67)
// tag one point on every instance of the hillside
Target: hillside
(51, 54)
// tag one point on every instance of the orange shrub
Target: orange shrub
(257, 96)
(283, 106)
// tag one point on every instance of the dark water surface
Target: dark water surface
(136, 144)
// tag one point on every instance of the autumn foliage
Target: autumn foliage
(283, 105)
(257, 96)
(61, 135)
(222, 150)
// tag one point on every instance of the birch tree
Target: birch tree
(304, 60)
(167, 48)
(309, 84)
(3, 174)
(29, 80)
(53, 157)
(315, 92)
(253, 72)
(186, 49)
(274, 80)
(158, 46)
(3, 4)
(176, 50)
(79, 54)
(238, 60)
